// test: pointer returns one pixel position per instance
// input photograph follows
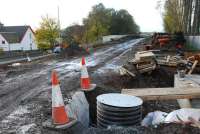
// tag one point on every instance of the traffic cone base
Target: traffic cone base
(92, 87)
(48, 124)
(59, 115)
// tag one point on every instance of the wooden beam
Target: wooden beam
(193, 67)
(163, 93)
(165, 63)
(127, 71)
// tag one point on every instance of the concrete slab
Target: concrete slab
(189, 81)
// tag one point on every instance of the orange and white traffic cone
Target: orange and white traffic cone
(85, 80)
(59, 114)
(60, 119)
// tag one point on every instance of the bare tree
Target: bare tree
(182, 15)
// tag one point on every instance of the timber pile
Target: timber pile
(144, 61)
(168, 60)
(174, 61)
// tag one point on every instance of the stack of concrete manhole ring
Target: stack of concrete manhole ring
(115, 109)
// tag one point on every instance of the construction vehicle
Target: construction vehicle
(166, 41)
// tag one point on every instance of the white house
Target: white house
(17, 38)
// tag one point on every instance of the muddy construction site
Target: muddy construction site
(25, 91)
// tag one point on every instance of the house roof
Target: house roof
(13, 34)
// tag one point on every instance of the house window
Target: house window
(3, 42)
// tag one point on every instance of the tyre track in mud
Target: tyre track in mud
(16, 93)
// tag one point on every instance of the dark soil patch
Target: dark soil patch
(165, 106)
(160, 77)
(161, 129)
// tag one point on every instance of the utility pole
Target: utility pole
(59, 27)
(59, 18)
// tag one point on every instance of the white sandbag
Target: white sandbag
(182, 115)
(78, 108)
(154, 118)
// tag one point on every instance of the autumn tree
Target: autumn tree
(47, 33)
(103, 21)
(122, 23)
(73, 34)
(173, 16)
(97, 23)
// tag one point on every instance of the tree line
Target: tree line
(182, 15)
(100, 21)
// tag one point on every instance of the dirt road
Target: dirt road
(25, 98)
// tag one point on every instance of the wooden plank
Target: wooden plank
(163, 93)
(127, 71)
(193, 67)
(184, 82)
(163, 62)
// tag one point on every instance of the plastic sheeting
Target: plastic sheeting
(154, 118)
(78, 108)
(182, 115)
(178, 116)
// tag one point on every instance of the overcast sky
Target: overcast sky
(29, 12)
